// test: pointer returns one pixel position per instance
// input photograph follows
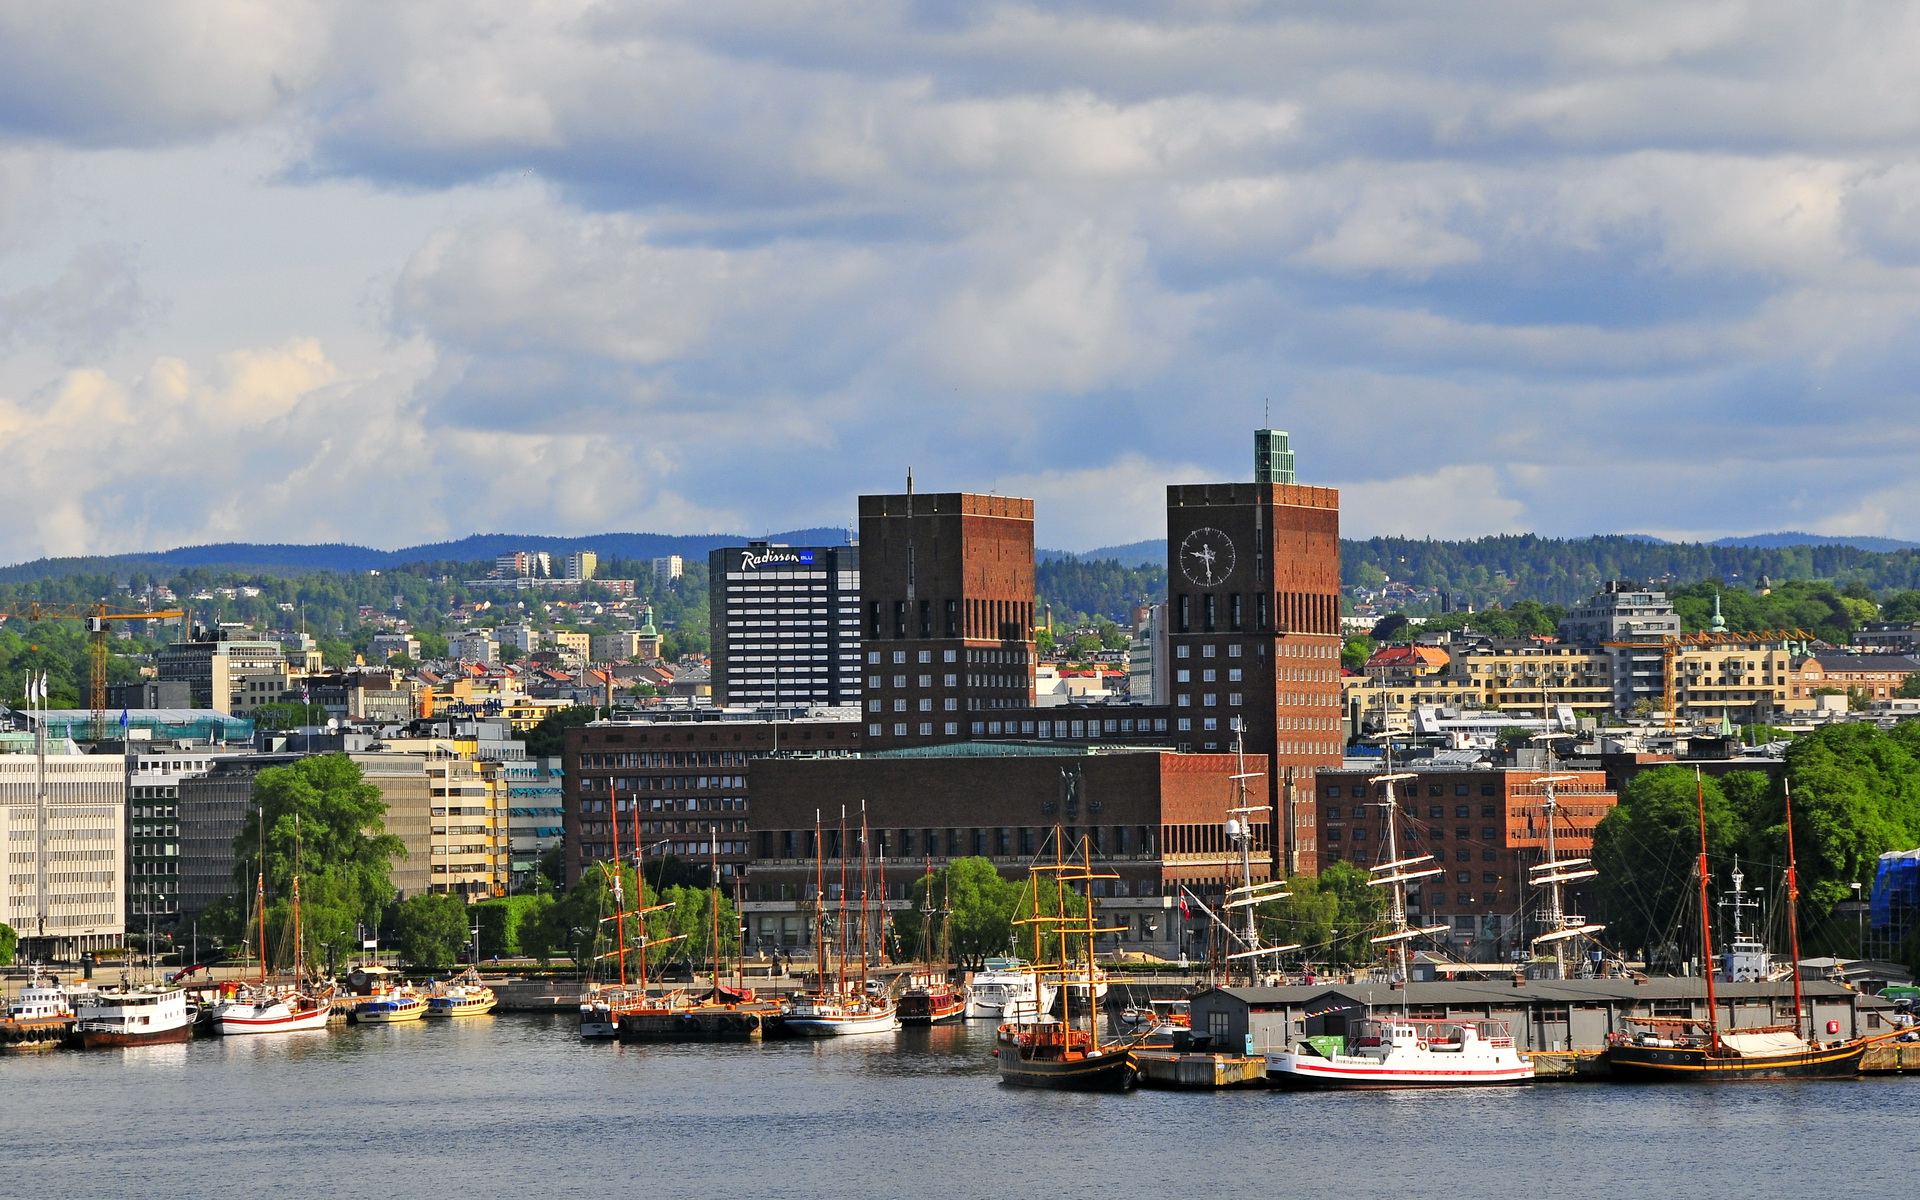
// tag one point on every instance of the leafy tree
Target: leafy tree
(432, 645)
(1856, 795)
(1901, 606)
(432, 927)
(9, 938)
(981, 908)
(503, 919)
(1043, 641)
(1645, 850)
(1355, 652)
(1331, 916)
(1910, 687)
(325, 823)
(549, 737)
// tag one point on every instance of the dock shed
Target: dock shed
(1573, 1014)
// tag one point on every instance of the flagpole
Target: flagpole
(40, 819)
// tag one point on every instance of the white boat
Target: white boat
(1006, 989)
(39, 1018)
(831, 1016)
(262, 1011)
(133, 1017)
(391, 1009)
(1398, 1053)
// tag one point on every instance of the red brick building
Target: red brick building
(1484, 825)
(946, 585)
(687, 774)
(1156, 819)
(1253, 577)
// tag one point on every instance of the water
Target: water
(516, 1107)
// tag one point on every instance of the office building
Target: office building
(215, 796)
(785, 624)
(1484, 825)
(536, 813)
(622, 645)
(581, 564)
(218, 670)
(1620, 612)
(1253, 576)
(675, 778)
(64, 875)
(1154, 819)
(669, 568)
(474, 646)
(1147, 664)
(946, 585)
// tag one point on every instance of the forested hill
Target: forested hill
(1515, 567)
(1507, 569)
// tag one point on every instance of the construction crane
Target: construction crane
(99, 619)
(1670, 644)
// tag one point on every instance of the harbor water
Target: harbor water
(515, 1107)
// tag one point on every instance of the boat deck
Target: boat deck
(1200, 1072)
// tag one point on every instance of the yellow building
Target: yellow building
(468, 844)
(578, 644)
(1739, 683)
(1532, 678)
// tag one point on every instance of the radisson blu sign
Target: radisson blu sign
(753, 560)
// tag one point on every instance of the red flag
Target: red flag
(1184, 914)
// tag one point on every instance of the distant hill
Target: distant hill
(1773, 541)
(286, 559)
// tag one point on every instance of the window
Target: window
(1489, 877)
(1487, 789)
(899, 656)
(1183, 700)
(1490, 855)
(1233, 698)
(1462, 811)
(899, 731)
(899, 681)
(1360, 835)
(1459, 789)
(1183, 676)
(1333, 835)
(1233, 649)
(1333, 813)
(926, 656)
(1184, 724)
(1183, 651)
(1333, 793)
(1489, 835)
(949, 656)
(926, 729)
(1208, 651)
(952, 727)
(926, 704)
(926, 681)
(873, 706)
(1463, 856)
(950, 704)
(1488, 810)
(1435, 812)
(875, 730)
(1233, 676)
(1465, 835)
(952, 680)
(899, 706)
(1209, 700)
(1465, 877)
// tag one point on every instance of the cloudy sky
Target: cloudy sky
(387, 273)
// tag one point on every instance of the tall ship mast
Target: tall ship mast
(1553, 874)
(1683, 1049)
(837, 1011)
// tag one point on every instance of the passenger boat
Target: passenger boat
(1007, 988)
(1663, 1050)
(840, 1007)
(1397, 1053)
(139, 1016)
(462, 996)
(391, 1008)
(39, 1018)
(1057, 1054)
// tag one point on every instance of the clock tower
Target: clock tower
(1253, 618)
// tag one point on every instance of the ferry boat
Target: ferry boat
(391, 1009)
(1008, 988)
(464, 996)
(1397, 1053)
(39, 1018)
(256, 1008)
(140, 1016)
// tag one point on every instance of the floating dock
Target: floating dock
(1201, 1072)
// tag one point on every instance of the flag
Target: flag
(123, 718)
(1184, 914)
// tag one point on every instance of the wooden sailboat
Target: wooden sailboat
(845, 1007)
(1666, 1049)
(258, 1008)
(933, 1000)
(722, 1015)
(1403, 1053)
(602, 1010)
(1058, 1054)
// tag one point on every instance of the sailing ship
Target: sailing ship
(1059, 1054)
(847, 1006)
(932, 998)
(602, 1008)
(1668, 1049)
(260, 1008)
(723, 1014)
(39, 1018)
(1402, 1053)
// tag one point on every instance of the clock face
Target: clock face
(1206, 557)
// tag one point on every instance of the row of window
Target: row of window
(676, 758)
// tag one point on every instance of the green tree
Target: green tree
(9, 938)
(1332, 916)
(981, 908)
(1856, 795)
(325, 823)
(1645, 850)
(549, 737)
(432, 927)
(502, 921)
(1910, 687)
(1355, 652)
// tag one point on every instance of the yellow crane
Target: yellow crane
(99, 619)
(1669, 644)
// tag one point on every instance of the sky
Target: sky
(346, 270)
